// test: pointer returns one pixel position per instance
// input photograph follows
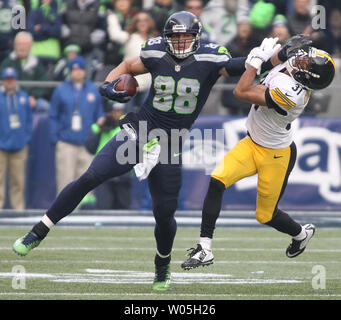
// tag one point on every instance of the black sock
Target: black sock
(282, 222)
(211, 208)
(158, 261)
(41, 230)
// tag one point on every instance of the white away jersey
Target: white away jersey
(270, 126)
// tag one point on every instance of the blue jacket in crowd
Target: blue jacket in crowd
(50, 20)
(67, 101)
(18, 106)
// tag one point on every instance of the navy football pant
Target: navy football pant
(164, 183)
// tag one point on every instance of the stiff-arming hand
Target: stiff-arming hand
(262, 53)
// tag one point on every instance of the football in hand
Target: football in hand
(127, 83)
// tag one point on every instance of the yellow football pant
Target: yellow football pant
(272, 165)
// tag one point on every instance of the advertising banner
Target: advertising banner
(314, 184)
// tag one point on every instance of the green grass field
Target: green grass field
(117, 263)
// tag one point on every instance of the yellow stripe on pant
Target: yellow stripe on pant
(272, 165)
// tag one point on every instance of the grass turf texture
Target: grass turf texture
(117, 263)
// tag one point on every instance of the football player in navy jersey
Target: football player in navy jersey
(183, 73)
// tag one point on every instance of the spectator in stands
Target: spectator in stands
(300, 20)
(7, 32)
(261, 16)
(239, 46)
(221, 16)
(117, 20)
(116, 192)
(44, 23)
(34, 4)
(161, 10)
(61, 70)
(28, 68)
(282, 6)
(15, 135)
(335, 31)
(196, 7)
(75, 106)
(141, 28)
(84, 23)
(244, 40)
(280, 29)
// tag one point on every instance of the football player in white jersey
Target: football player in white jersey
(268, 149)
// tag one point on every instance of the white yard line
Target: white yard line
(70, 261)
(133, 277)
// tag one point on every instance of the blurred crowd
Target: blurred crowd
(77, 42)
(105, 32)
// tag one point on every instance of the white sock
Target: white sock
(205, 243)
(301, 235)
(46, 220)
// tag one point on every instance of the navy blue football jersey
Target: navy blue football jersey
(180, 87)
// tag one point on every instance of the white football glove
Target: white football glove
(262, 53)
(253, 57)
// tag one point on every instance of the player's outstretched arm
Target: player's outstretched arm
(267, 54)
(132, 66)
(246, 90)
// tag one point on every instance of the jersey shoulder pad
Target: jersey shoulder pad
(214, 48)
(153, 48)
(212, 52)
(285, 92)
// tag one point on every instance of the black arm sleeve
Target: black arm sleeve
(235, 66)
(266, 66)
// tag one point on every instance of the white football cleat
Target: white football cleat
(296, 247)
(198, 257)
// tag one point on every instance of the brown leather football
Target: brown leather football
(127, 83)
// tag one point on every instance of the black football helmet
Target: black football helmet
(182, 22)
(311, 67)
